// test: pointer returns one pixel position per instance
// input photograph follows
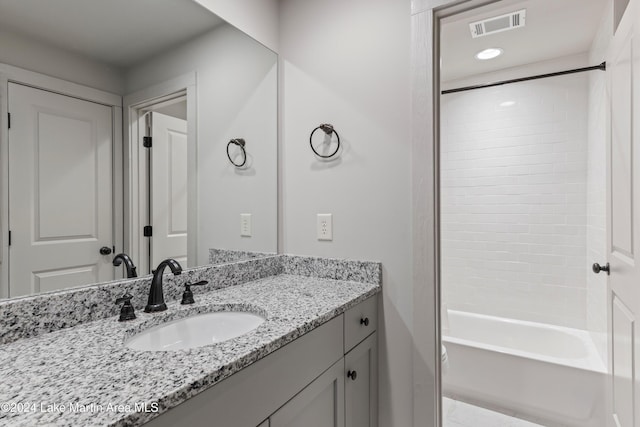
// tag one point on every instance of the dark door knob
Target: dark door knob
(597, 268)
(364, 321)
(352, 374)
(105, 250)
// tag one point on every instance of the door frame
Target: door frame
(136, 168)
(426, 16)
(11, 74)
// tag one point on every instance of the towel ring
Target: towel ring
(240, 142)
(329, 130)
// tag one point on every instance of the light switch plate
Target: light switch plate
(325, 227)
(245, 224)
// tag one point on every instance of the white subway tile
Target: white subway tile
(514, 202)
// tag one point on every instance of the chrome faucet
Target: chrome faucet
(128, 264)
(156, 297)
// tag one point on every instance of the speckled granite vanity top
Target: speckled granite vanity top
(99, 381)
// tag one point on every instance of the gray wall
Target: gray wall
(236, 96)
(258, 18)
(36, 56)
(347, 63)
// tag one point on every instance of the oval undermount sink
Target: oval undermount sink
(195, 331)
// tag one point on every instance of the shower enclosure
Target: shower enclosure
(522, 218)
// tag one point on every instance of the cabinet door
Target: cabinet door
(361, 384)
(320, 404)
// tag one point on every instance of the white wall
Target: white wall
(347, 63)
(35, 56)
(596, 185)
(236, 98)
(257, 18)
(514, 200)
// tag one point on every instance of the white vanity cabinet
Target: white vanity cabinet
(309, 382)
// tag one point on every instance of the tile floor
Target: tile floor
(460, 414)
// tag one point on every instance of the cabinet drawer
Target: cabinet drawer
(359, 322)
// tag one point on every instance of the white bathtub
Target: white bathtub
(549, 374)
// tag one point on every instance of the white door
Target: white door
(623, 227)
(60, 191)
(169, 189)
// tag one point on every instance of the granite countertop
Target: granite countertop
(89, 366)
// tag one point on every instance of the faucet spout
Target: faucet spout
(128, 264)
(156, 296)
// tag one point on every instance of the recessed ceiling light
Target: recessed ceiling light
(508, 103)
(490, 53)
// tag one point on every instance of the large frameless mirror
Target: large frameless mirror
(121, 121)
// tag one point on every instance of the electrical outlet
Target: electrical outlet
(245, 225)
(325, 227)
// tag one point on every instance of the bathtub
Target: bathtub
(547, 374)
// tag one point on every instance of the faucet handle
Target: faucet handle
(187, 295)
(127, 312)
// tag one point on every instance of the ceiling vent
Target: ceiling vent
(497, 24)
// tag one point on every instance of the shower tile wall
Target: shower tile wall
(514, 197)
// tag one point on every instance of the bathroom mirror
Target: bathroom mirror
(119, 118)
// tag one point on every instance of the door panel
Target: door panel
(621, 159)
(169, 189)
(320, 404)
(59, 175)
(623, 338)
(60, 191)
(51, 280)
(623, 214)
(361, 393)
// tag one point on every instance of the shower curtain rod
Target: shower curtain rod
(602, 67)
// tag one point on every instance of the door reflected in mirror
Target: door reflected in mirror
(86, 96)
(168, 184)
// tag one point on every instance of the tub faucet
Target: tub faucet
(156, 297)
(128, 264)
